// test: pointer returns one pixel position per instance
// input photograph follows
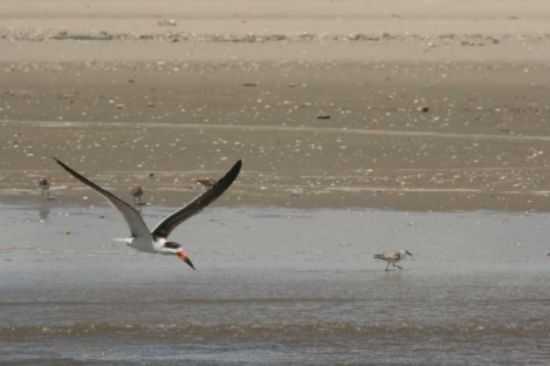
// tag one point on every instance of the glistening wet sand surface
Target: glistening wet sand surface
(388, 135)
(275, 286)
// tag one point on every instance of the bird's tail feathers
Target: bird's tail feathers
(379, 256)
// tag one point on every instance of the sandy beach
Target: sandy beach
(363, 126)
(436, 106)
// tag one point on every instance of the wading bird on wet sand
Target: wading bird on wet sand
(137, 193)
(392, 257)
(206, 182)
(156, 241)
(44, 185)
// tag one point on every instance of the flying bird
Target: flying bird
(391, 257)
(156, 241)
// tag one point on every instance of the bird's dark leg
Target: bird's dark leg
(397, 266)
(387, 267)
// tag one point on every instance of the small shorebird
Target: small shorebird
(392, 257)
(137, 193)
(156, 241)
(206, 182)
(44, 185)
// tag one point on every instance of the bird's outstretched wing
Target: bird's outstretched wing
(133, 218)
(195, 206)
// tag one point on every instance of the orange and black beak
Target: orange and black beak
(184, 257)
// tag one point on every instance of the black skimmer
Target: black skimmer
(392, 257)
(137, 193)
(44, 185)
(156, 241)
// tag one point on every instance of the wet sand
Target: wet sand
(308, 140)
(419, 108)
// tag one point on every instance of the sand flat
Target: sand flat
(432, 105)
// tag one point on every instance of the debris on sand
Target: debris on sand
(96, 36)
(167, 23)
(206, 182)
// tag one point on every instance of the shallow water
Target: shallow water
(275, 286)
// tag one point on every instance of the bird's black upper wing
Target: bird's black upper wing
(167, 225)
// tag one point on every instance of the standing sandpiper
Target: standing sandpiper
(137, 193)
(44, 185)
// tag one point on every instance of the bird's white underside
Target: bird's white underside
(144, 244)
